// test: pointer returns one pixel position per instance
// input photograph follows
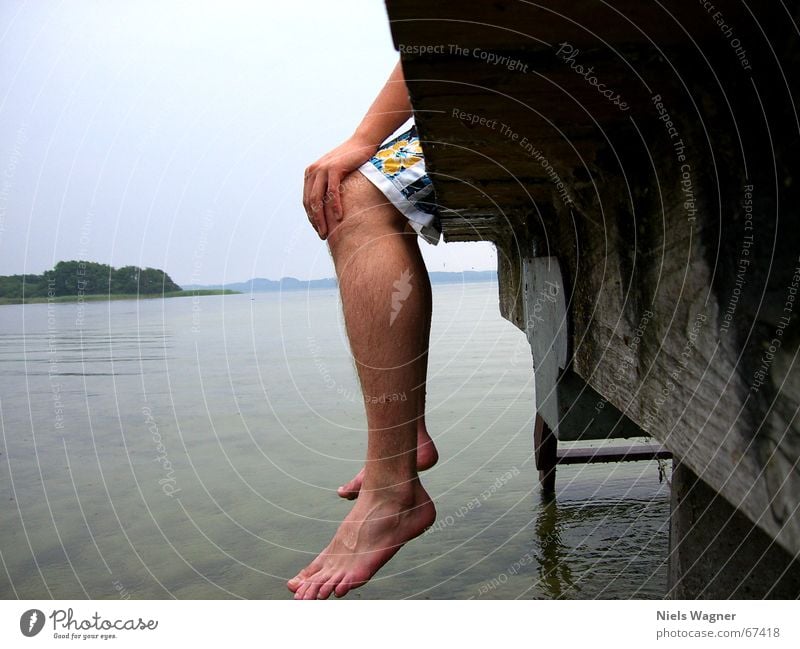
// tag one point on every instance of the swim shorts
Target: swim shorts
(398, 170)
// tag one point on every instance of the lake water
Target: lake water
(191, 448)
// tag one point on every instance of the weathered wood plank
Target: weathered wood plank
(632, 453)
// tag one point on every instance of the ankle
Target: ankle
(402, 492)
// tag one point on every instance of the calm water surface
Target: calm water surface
(191, 449)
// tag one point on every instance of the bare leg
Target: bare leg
(427, 455)
(382, 281)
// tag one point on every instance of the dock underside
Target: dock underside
(637, 168)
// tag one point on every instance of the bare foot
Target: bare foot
(427, 456)
(372, 533)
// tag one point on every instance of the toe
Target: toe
(350, 581)
(327, 588)
(342, 588)
(300, 593)
(347, 491)
(313, 588)
(294, 583)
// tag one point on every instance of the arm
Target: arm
(321, 198)
(389, 110)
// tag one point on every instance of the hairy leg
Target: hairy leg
(427, 455)
(382, 281)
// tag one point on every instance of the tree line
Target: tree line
(87, 278)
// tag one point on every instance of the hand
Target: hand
(321, 189)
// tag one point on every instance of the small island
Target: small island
(77, 280)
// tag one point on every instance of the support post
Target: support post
(545, 447)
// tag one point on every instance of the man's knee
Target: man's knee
(366, 212)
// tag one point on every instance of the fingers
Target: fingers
(313, 186)
(333, 207)
(308, 181)
(316, 197)
(322, 199)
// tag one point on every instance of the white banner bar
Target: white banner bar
(390, 624)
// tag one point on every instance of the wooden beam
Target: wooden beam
(633, 453)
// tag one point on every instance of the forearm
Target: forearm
(389, 110)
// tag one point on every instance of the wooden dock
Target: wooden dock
(637, 167)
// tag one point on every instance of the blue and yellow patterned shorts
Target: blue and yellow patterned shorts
(398, 170)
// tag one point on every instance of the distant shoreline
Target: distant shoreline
(263, 285)
(256, 285)
(109, 297)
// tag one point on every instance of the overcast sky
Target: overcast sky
(175, 134)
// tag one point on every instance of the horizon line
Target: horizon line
(317, 279)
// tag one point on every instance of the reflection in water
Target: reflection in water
(551, 553)
(600, 548)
